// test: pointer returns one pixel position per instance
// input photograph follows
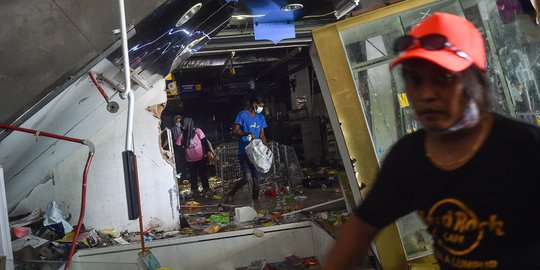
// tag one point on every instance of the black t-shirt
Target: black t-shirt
(483, 215)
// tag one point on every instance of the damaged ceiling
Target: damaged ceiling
(46, 45)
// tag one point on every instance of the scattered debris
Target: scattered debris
(55, 220)
(34, 217)
(30, 240)
(20, 231)
(290, 262)
(49, 236)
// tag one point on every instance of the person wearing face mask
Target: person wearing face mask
(178, 151)
(196, 147)
(249, 125)
(472, 175)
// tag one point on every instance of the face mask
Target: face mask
(471, 117)
(178, 124)
(259, 109)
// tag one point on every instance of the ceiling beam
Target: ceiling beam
(269, 47)
(286, 58)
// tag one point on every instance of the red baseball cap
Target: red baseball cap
(460, 32)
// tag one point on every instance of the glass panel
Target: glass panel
(371, 42)
(381, 91)
(369, 51)
(472, 12)
(414, 16)
(517, 42)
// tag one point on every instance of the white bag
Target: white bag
(53, 215)
(259, 155)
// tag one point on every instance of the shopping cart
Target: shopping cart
(285, 168)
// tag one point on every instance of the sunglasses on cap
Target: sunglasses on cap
(431, 42)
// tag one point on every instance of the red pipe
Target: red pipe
(92, 76)
(81, 215)
(41, 133)
(141, 229)
(85, 176)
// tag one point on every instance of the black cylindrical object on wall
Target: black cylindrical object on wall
(131, 180)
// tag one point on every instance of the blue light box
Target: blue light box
(276, 25)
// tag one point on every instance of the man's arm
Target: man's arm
(237, 131)
(263, 137)
(352, 241)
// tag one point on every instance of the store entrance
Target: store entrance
(304, 179)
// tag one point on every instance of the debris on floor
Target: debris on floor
(49, 236)
(289, 263)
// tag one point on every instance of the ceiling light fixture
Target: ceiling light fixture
(188, 51)
(189, 48)
(345, 9)
(247, 16)
(292, 7)
(188, 14)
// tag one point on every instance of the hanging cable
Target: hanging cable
(320, 15)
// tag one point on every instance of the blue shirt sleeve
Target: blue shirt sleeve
(240, 119)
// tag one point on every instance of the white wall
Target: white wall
(5, 237)
(47, 170)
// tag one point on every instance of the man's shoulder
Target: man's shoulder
(516, 130)
(407, 147)
(243, 113)
(413, 139)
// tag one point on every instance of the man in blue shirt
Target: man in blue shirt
(249, 125)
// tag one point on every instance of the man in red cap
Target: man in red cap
(472, 175)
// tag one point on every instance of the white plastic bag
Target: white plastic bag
(54, 219)
(259, 155)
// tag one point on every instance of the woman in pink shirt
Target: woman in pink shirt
(196, 146)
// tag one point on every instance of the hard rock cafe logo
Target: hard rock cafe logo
(457, 229)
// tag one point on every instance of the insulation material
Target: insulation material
(156, 110)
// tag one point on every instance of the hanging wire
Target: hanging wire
(320, 16)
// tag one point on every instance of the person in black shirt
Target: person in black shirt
(472, 175)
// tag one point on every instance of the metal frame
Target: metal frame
(338, 87)
(5, 237)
